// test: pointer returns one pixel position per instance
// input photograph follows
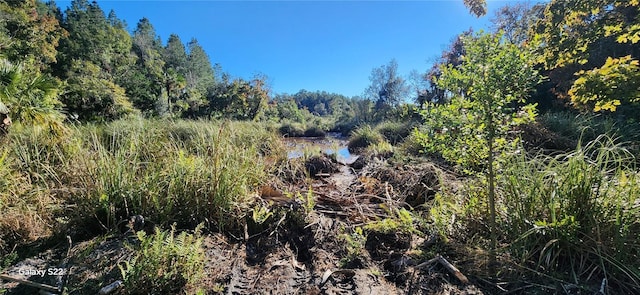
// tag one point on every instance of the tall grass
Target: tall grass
(574, 217)
(363, 137)
(185, 172)
(587, 127)
(577, 213)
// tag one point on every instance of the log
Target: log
(30, 283)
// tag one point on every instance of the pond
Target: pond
(333, 143)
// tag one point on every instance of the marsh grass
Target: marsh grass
(395, 132)
(576, 213)
(363, 137)
(574, 217)
(587, 127)
(187, 172)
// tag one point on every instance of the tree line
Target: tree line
(84, 65)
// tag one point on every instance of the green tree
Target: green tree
(240, 99)
(95, 38)
(145, 78)
(175, 54)
(90, 96)
(493, 77)
(388, 88)
(199, 72)
(30, 31)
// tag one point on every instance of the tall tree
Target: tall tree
(388, 88)
(30, 31)
(452, 56)
(516, 21)
(175, 54)
(145, 79)
(199, 73)
(94, 38)
(91, 96)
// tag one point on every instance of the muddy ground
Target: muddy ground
(294, 254)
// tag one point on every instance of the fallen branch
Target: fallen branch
(452, 269)
(30, 283)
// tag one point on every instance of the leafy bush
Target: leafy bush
(164, 263)
(314, 131)
(292, 130)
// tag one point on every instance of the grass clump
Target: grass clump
(587, 127)
(292, 130)
(314, 131)
(395, 132)
(577, 213)
(363, 137)
(573, 216)
(164, 263)
(185, 172)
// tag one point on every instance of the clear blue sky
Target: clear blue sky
(312, 45)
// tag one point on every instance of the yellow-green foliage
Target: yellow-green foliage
(400, 220)
(354, 245)
(164, 263)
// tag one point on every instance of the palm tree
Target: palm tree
(30, 101)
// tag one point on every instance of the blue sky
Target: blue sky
(312, 45)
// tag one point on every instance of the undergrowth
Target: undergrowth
(164, 263)
(187, 172)
(573, 218)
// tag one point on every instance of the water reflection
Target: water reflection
(332, 144)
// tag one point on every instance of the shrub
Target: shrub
(314, 131)
(291, 130)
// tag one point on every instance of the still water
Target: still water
(333, 143)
